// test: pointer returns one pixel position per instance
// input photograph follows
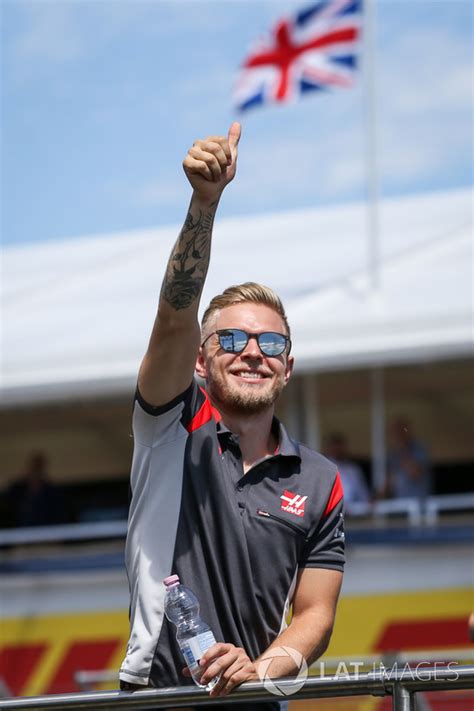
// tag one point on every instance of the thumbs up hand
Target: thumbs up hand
(211, 163)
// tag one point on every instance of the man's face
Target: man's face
(248, 382)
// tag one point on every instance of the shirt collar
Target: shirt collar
(287, 447)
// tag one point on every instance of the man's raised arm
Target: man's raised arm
(168, 365)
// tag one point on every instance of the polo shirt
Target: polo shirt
(236, 540)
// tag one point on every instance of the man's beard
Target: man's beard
(245, 400)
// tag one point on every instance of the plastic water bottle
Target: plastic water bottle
(193, 634)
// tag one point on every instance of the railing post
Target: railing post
(402, 699)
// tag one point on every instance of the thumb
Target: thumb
(234, 137)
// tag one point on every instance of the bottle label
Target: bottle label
(194, 648)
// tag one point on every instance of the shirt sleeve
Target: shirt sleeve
(156, 410)
(325, 547)
(153, 426)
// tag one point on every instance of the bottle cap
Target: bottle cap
(171, 580)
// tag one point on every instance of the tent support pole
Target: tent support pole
(379, 466)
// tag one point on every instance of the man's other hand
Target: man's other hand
(211, 164)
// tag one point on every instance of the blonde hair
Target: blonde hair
(250, 292)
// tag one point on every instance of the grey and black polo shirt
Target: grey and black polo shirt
(236, 540)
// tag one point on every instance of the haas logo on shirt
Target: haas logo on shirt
(292, 503)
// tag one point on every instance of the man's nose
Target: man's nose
(252, 349)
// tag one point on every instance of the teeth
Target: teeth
(246, 374)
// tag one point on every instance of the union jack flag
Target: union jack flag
(312, 50)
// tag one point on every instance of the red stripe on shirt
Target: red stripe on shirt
(205, 413)
(336, 495)
(215, 412)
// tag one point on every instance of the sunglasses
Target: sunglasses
(234, 340)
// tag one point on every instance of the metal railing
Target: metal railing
(402, 686)
(418, 512)
(65, 532)
(411, 508)
(87, 680)
(446, 502)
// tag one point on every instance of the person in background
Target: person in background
(408, 467)
(354, 484)
(33, 499)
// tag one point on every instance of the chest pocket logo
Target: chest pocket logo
(293, 503)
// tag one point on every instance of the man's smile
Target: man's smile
(249, 375)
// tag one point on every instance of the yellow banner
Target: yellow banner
(40, 655)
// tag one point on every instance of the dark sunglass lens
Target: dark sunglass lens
(233, 341)
(272, 344)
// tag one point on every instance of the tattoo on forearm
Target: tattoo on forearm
(188, 264)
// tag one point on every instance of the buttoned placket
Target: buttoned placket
(232, 459)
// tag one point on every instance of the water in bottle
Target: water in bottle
(193, 634)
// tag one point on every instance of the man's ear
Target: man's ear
(201, 368)
(289, 368)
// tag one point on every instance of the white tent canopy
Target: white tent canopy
(77, 314)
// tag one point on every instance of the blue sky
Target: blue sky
(101, 100)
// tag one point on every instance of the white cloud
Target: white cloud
(294, 171)
(451, 92)
(55, 32)
(161, 192)
(344, 175)
(427, 70)
(407, 160)
(50, 32)
(61, 30)
(425, 105)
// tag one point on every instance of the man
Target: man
(33, 499)
(221, 496)
(409, 473)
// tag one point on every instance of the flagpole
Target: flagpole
(379, 466)
(373, 249)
